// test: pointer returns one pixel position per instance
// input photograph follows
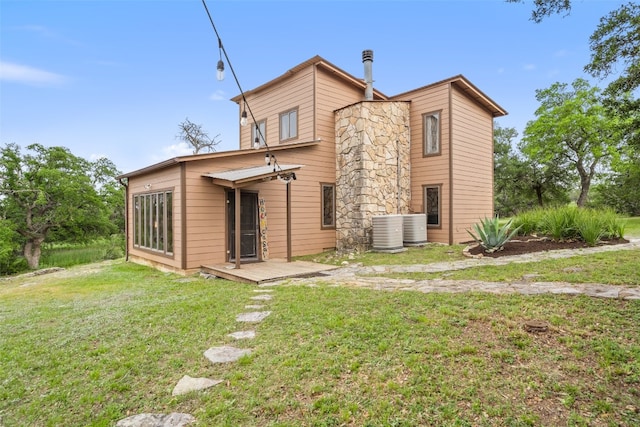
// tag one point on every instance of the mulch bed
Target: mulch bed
(528, 244)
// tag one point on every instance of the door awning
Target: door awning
(237, 178)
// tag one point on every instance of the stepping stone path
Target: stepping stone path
(174, 419)
(241, 335)
(223, 354)
(187, 384)
(252, 317)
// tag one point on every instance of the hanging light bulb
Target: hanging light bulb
(256, 143)
(267, 159)
(220, 67)
(243, 118)
(220, 73)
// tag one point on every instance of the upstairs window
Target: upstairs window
(289, 125)
(259, 131)
(431, 126)
(328, 195)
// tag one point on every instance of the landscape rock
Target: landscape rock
(254, 316)
(187, 384)
(243, 335)
(225, 354)
(175, 419)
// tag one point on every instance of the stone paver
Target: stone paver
(254, 306)
(262, 297)
(243, 335)
(188, 384)
(175, 419)
(225, 354)
(366, 277)
(253, 317)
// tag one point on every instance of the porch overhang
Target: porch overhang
(238, 178)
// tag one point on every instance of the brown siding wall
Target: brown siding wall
(472, 164)
(432, 170)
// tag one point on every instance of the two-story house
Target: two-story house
(322, 154)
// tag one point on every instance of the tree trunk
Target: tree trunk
(584, 192)
(32, 252)
(539, 195)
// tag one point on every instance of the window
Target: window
(153, 221)
(289, 125)
(328, 205)
(432, 205)
(259, 130)
(431, 126)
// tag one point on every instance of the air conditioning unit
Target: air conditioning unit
(387, 233)
(414, 229)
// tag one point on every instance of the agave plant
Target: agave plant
(491, 235)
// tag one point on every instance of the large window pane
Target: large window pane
(432, 205)
(431, 124)
(152, 221)
(328, 205)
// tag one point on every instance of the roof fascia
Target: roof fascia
(320, 62)
(219, 155)
(468, 88)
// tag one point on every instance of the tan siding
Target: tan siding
(432, 170)
(269, 103)
(472, 164)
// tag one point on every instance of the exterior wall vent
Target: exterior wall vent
(414, 229)
(387, 233)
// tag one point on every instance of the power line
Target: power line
(271, 157)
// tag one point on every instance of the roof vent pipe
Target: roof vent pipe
(367, 60)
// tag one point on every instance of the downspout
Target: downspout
(450, 164)
(183, 216)
(126, 217)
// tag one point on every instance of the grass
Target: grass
(632, 227)
(432, 252)
(89, 349)
(614, 268)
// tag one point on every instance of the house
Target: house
(323, 153)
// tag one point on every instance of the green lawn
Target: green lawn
(90, 349)
(632, 227)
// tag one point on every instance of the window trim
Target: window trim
(424, 196)
(263, 140)
(438, 115)
(144, 211)
(288, 113)
(324, 226)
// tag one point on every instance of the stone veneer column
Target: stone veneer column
(372, 168)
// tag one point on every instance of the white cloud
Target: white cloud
(501, 70)
(529, 67)
(175, 150)
(561, 53)
(218, 96)
(29, 75)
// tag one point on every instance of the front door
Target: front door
(248, 225)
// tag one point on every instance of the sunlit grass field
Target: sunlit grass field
(95, 344)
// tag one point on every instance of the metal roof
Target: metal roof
(237, 177)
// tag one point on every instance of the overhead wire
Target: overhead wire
(262, 137)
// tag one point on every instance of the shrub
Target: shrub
(571, 222)
(491, 235)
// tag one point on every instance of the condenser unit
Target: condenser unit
(414, 229)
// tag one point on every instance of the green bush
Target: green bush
(491, 235)
(571, 223)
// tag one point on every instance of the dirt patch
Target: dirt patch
(530, 244)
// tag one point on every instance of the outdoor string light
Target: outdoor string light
(269, 158)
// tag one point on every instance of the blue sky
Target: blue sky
(115, 78)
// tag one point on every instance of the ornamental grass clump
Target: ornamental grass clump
(491, 235)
